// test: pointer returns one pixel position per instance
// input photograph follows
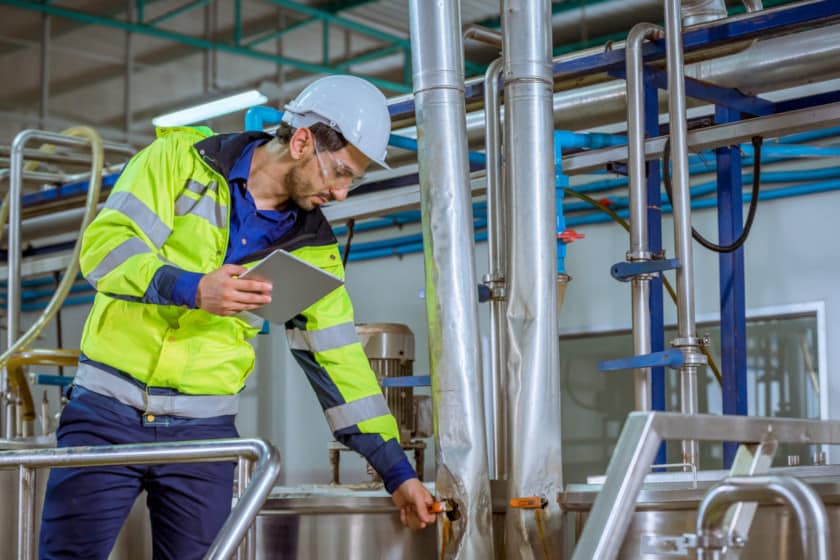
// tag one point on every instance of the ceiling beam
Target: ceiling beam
(196, 42)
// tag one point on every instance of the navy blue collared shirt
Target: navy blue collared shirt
(250, 230)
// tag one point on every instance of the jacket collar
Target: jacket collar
(222, 150)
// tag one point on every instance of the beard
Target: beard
(301, 190)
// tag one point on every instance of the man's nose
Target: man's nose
(339, 192)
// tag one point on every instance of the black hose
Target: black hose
(756, 187)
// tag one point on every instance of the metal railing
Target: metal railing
(256, 453)
(638, 445)
(805, 502)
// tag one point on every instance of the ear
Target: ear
(301, 143)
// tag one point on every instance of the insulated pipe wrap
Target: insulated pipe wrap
(451, 302)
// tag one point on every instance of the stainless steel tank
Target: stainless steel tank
(329, 522)
(667, 509)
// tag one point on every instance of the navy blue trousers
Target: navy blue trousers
(85, 508)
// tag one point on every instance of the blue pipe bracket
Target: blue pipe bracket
(55, 380)
(669, 358)
(407, 381)
(626, 271)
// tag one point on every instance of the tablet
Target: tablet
(296, 283)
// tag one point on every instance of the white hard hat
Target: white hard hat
(350, 105)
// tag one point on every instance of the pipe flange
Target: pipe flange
(686, 342)
(694, 358)
(497, 285)
(638, 256)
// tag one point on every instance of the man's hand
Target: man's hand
(220, 292)
(414, 501)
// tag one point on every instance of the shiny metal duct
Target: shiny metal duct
(701, 11)
(775, 64)
(534, 465)
(451, 303)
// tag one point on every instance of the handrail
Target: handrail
(638, 445)
(17, 380)
(242, 516)
(805, 502)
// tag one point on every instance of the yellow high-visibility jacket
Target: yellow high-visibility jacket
(171, 206)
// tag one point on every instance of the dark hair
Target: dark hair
(327, 138)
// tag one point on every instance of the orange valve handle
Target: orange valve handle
(531, 502)
(442, 506)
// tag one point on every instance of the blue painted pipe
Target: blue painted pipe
(406, 143)
(256, 118)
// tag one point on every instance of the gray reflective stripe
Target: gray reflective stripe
(118, 255)
(323, 339)
(205, 207)
(198, 188)
(350, 414)
(189, 406)
(148, 222)
(251, 318)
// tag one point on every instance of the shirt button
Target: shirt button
(244, 241)
(150, 418)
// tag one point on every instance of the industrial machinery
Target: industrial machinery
(389, 348)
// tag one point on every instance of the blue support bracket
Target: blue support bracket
(407, 381)
(721, 96)
(56, 380)
(669, 358)
(626, 271)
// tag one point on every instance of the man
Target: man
(165, 350)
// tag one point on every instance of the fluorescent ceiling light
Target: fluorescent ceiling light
(211, 109)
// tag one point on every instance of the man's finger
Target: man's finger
(255, 286)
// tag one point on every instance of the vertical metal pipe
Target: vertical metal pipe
(26, 514)
(14, 255)
(496, 248)
(247, 548)
(451, 304)
(46, 27)
(639, 251)
(128, 82)
(533, 392)
(205, 53)
(686, 330)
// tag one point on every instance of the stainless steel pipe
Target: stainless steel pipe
(241, 517)
(639, 252)
(806, 504)
(495, 279)
(483, 34)
(702, 11)
(451, 303)
(753, 5)
(534, 467)
(686, 330)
